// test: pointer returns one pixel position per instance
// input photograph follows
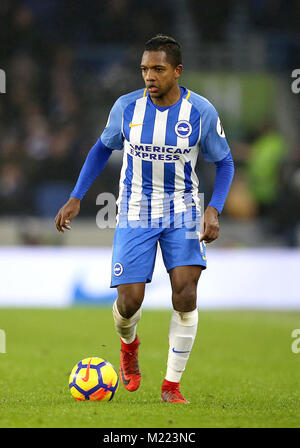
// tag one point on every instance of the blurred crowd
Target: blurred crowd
(276, 21)
(66, 62)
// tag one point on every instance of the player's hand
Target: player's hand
(210, 225)
(65, 215)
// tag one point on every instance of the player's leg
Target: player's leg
(133, 260)
(127, 310)
(184, 259)
(127, 313)
(184, 282)
(183, 328)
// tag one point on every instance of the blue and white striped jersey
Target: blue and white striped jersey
(161, 146)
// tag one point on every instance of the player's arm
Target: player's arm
(215, 149)
(95, 162)
(223, 179)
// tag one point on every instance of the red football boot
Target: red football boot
(129, 367)
(170, 393)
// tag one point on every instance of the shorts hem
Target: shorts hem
(203, 265)
(124, 281)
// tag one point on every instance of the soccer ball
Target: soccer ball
(93, 379)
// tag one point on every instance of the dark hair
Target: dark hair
(167, 44)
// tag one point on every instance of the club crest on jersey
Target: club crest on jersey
(118, 269)
(183, 129)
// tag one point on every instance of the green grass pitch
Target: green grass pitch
(241, 372)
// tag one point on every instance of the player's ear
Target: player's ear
(178, 71)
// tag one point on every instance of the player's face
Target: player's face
(159, 75)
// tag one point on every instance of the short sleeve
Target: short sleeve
(112, 136)
(213, 141)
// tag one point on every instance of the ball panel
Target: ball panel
(101, 395)
(95, 361)
(73, 371)
(109, 375)
(86, 379)
(76, 394)
(115, 390)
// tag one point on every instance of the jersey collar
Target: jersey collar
(185, 93)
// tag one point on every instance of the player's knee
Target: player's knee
(129, 302)
(184, 297)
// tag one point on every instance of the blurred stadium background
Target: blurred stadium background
(67, 62)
